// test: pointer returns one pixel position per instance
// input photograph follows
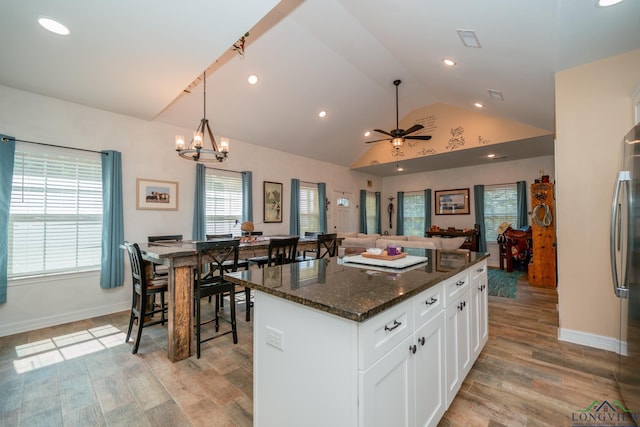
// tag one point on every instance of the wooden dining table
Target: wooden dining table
(181, 258)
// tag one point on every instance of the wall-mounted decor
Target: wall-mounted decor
(272, 201)
(153, 194)
(452, 202)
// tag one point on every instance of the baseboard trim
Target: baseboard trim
(59, 319)
(591, 340)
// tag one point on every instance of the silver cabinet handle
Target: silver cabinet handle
(616, 229)
(395, 325)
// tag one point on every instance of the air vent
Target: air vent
(468, 38)
(495, 94)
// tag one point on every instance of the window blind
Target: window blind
(500, 205)
(372, 214)
(55, 220)
(223, 204)
(309, 208)
(413, 214)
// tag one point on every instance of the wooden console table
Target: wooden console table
(471, 237)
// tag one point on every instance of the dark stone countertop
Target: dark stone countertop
(355, 293)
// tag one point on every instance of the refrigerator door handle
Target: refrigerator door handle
(615, 232)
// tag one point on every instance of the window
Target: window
(309, 208)
(500, 205)
(223, 204)
(372, 213)
(413, 214)
(55, 219)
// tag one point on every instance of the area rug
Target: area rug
(502, 283)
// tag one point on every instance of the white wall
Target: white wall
(594, 111)
(147, 152)
(466, 177)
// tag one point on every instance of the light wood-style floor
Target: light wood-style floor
(83, 374)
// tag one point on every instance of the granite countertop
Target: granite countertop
(355, 293)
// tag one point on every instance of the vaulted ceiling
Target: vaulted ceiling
(341, 56)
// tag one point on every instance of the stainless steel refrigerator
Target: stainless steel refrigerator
(625, 267)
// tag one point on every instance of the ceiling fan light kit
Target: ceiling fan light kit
(398, 136)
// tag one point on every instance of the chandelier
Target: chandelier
(195, 150)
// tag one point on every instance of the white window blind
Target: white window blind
(372, 214)
(223, 204)
(500, 205)
(309, 208)
(413, 214)
(55, 220)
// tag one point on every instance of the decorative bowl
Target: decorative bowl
(374, 251)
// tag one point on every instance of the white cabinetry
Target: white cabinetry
(479, 308)
(458, 328)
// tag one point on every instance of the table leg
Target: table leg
(179, 316)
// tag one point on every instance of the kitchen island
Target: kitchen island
(342, 344)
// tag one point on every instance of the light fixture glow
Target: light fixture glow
(607, 3)
(449, 62)
(491, 156)
(53, 26)
(367, 133)
(397, 142)
(478, 104)
(399, 168)
(322, 113)
(253, 79)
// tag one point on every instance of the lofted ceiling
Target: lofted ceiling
(136, 58)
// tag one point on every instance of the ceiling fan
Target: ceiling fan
(397, 136)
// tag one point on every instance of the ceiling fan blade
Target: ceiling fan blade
(420, 137)
(412, 129)
(377, 140)
(382, 131)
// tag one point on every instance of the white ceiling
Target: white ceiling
(342, 56)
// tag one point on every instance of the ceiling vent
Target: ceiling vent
(495, 94)
(468, 38)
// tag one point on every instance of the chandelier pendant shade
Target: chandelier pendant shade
(195, 150)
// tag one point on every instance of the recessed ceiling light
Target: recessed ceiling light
(322, 113)
(367, 133)
(491, 156)
(399, 168)
(253, 79)
(53, 26)
(469, 38)
(607, 3)
(478, 104)
(449, 62)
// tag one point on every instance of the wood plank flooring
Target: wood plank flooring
(83, 374)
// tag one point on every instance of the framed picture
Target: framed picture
(272, 208)
(152, 194)
(452, 202)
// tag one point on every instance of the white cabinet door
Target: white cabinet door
(479, 314)
(458, 343)
(429, 372)
(386, 390)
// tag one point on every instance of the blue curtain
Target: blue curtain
(112, 263)
(378, 214)
(522, 218)
(400, 214)
(7, 152)
(427, 210)
(478, 195)
(322, 200)
(363, 211)
(199, 231)
(247, 196)
(294, 211)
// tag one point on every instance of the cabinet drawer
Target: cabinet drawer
(455, 286)
(428, 304)
(383, 332)
(478, 270)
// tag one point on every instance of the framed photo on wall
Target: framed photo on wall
(272, 208)
(152, 194)
(452, 202)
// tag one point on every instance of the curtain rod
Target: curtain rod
(225, 170)
(6, 139)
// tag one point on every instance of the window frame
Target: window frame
(228, 222)
(418, 195)
(491, 222)
(308, 208)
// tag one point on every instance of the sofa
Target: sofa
(352, 241)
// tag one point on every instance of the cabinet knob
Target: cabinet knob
(395, 325)
(412, 349)
(421, 340)
(460, 283)
(432, 301)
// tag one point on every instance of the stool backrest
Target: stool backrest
(327, 245)
(216, 257)
(282, 251)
